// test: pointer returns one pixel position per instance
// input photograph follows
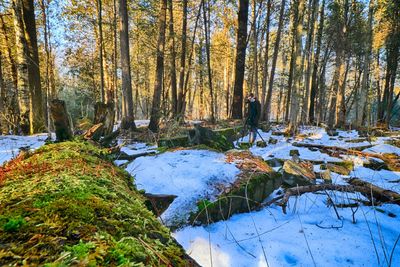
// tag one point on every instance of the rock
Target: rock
(332, 132)
(294, 152)
(178, 141)
(158, 203)
(244, 145)
(326, 176)
(375, 164)
(272, 141)
(205, 136)
(274, 162)
(261, 143)
(254, 184)
(297, 174)
(336, 168)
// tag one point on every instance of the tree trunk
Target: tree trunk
(115, 63)
(3, 122)
(314, 85)
(298, 16)
(274, 60)
(180, 99)
(33, 66)
(174, 87)
(362, 99)
(255, 51)
(208, 57)
(241, 43)
(60, 118)
(158, 84)
(309, 56)
(128, 121)
(100, 25)
(24, 101)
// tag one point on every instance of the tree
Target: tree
(206, 12)
(180, 99)
(274, 60)
(155, 110)
(128, 121)
(35, 88)
(241, 43)
(297, 31)
(314, 85)
(174, 87)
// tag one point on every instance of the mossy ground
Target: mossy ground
(67, 204)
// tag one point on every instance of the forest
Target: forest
(199, 133)
(308, 62)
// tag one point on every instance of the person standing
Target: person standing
(253, 115)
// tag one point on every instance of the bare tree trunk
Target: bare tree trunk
(24, 101)
(274, 60)
(174, 87)
(337, 113)
(3, 122)
(265, 98)
(206, 11)
(47, 76)
(180, 99)
(314, 84)
(255, 50)
(241, 43)
(309, 56)
(298, 16)
(155, 110)
(362, 99)
(115, 62)
(100, 25)
(128, 121)
(33, 66)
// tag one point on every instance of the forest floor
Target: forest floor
(314, 232)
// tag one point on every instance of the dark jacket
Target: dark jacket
(253, 113)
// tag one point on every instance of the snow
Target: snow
(383, 178)
(191, 175)
(310, 235)
(10, 145)
(383, 148)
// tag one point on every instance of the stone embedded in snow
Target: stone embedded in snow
(297, 174)
(336, 168)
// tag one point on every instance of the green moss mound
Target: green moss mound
(67, 204)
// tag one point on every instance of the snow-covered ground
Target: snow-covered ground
(191, 175)
(310, 234)
(10, 145)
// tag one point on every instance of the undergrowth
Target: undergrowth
(67, 204)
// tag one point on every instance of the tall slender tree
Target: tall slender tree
(274, 61)
(128, 121)
(241, 43)
(158, 85)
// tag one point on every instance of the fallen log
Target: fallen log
(367, 189)
(381, 194)
(124, 156)
(94, 130)
(392, 161)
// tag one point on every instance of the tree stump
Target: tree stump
(60, 118)
(104, 113)
(201, 135)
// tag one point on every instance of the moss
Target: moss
(67, 204)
